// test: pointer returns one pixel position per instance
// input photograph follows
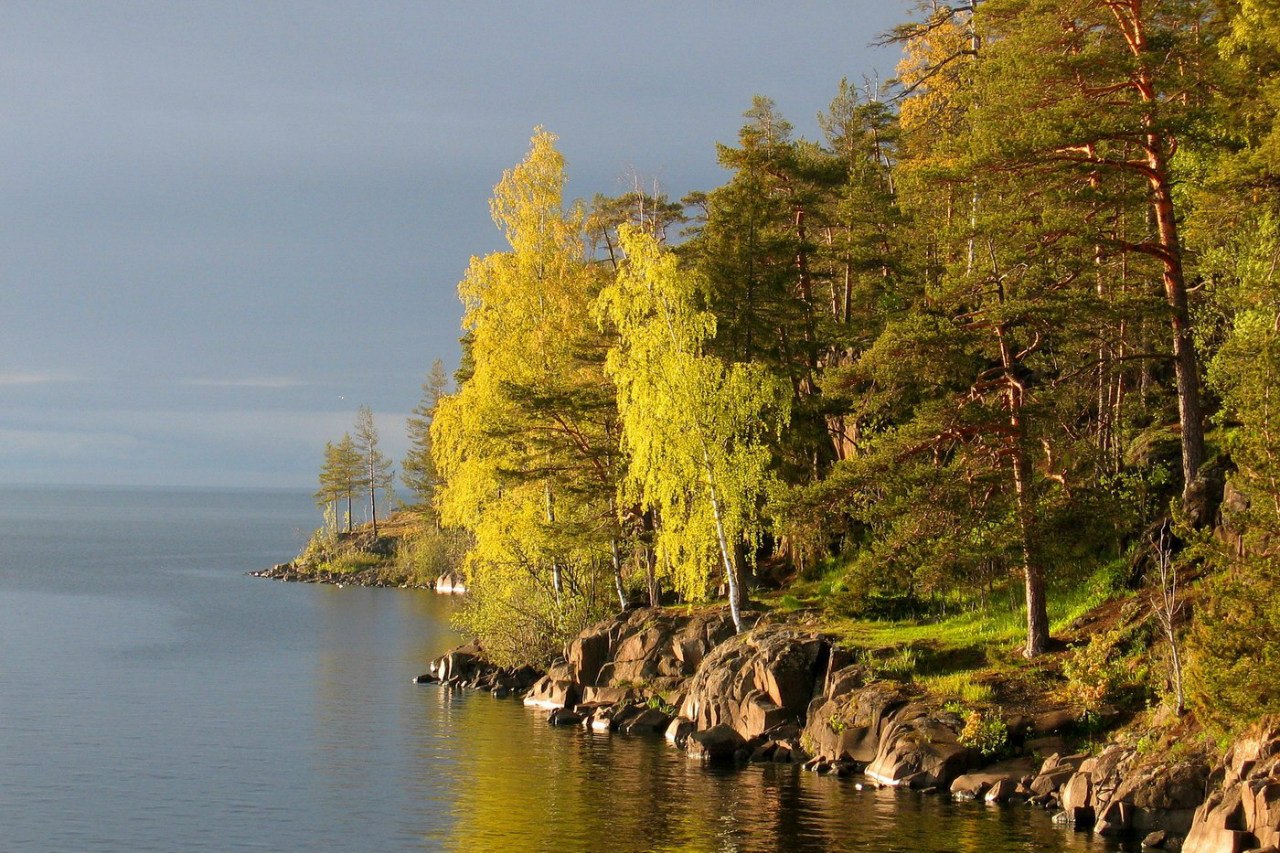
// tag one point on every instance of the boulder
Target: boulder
(846, 722)
(1162, 796)
(921, 749)
(586, 654)
(717, 743)
(1007, 773)
(610, 695)
(602, 720)
(756, 680)
(1051, 781)
(1002, 791)
(457, 665)
(451, 582)
(679, 730)
(648, 720)
(1091, 790)
(564, 717)
(1078, 792)
(622, 715)
(551, 694)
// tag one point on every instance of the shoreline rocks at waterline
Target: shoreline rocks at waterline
(780, 694)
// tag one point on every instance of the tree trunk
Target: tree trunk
(1158, 146)
(649, 522)
(651, 576)
(726, 557)
(557, 578)
(1185, 364)
(617, 573)
(1033, 576)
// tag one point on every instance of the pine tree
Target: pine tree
(340, 476)
(418, 471)
(1094, 98)
(375, 469)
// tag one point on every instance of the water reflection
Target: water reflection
(155, 701)
(522, 785)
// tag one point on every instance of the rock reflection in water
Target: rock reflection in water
(522, 785)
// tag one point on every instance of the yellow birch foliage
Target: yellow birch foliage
(692, 425)
(524, 311)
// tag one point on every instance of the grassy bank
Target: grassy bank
(408, 551)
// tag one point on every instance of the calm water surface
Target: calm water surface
(154, 698)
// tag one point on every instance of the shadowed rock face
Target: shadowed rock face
(1245, 813)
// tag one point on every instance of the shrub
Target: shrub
(1235, 644)
(426, 555)
(986, 733)
(1094, 671)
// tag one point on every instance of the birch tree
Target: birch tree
(692, 425)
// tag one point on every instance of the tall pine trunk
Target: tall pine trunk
(1158, 148)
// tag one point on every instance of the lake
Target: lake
(155, 698)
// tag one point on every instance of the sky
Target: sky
(226, 225)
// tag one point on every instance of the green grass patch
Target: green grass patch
(350, 562)
(966, 635)
(958, 686)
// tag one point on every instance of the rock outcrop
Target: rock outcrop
(467, 666)
(757, 681)
(1121, 793)
(642, 654)
(646, 648)
(920, 748)
(848, 720)
(1244, 813)
(450, 583)
(780, 694)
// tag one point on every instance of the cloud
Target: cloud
(31, 378)
(268, 382)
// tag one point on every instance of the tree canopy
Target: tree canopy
(967, 350)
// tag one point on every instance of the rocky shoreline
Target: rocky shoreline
(786, 695)
(377, 576)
